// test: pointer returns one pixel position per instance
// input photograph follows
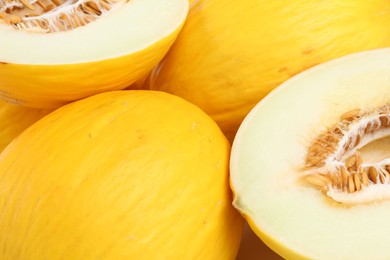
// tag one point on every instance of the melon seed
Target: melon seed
(336, 152)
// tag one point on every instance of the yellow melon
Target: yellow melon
(230, 54)
(120, 175)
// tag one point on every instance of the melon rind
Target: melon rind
(231, 54)
(106, 178)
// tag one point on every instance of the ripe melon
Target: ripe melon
(310, 165)
(120, 175)
(56, 51)
(230, 54)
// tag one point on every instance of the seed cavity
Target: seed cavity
(335, 166)
(49, 16)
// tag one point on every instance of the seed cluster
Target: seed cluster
(334, 161)
(53, 15)
(351, 178)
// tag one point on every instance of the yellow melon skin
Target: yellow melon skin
(15, 119)
(230, 54)
(45, 86)
(120, 175)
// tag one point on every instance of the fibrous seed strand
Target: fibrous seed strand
(53, 15)
(333, 160)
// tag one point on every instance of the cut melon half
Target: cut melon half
(310, 165)
(56, 51)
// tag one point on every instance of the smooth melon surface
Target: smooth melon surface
(295, 220)
(231, 54)
(120, 175)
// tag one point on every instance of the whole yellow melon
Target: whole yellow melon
(120, 175)
(230, 54)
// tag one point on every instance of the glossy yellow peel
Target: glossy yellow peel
(230, 54)
(120, 175)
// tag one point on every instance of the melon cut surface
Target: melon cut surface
(301, 207)
(81, 47)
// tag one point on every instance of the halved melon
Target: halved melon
(56, 51)
(310, 163)
(230, 54)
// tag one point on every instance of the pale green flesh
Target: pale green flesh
(269, 151)
(130, 28)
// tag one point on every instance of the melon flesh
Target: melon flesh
(46, 70)
(268, 154)
(128, 29)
